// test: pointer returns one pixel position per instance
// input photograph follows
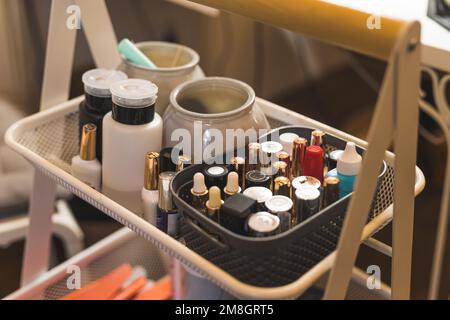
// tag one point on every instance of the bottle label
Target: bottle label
(172, 223)
(161, 220)
(167, 221)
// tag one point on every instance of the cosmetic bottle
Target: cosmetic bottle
(237, 164)
(260, 195)
(232, 186)
(216, 175)
(263, 224)
(279, 204)
(287, 140)
(318, 138)
(298, 156)
(85, 166)
(330, 191)
(283, 156)
(282, 186)
(268, 151)
(307, 203)
(254, 156)
(150, 192)
(306, 181)
(97, 101)
(235, 212)
(256, 178)
(129, 131)
(199, 192)
(348, 166)
(214, 203)
(333, 158)
(167, 217)
(313, 164)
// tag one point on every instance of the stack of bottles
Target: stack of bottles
(277, 186)
(120, 147)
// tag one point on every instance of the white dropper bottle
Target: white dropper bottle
(348, 167)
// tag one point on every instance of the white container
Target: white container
(132, 129)
(85, 166)
(176, 64)
(212, 104)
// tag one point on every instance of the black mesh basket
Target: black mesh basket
(276, 260)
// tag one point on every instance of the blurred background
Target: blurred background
(331, 85)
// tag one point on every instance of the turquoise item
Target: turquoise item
(346, 183)
(131, 53)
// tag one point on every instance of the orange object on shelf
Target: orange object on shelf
(162, 290)
(132, 290)
(104, 288)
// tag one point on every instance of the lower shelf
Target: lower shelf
(121, 247)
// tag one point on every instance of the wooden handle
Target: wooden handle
(331, 23)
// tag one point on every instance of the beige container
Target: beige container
(217, 104)
(176, 64)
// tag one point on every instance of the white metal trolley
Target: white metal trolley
(49, 140)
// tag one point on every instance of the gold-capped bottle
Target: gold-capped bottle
(149, 192)
(86, 166)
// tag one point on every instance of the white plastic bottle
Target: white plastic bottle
(85, 166)
(150, 193)
(130, 130)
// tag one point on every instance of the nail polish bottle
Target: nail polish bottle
(86, 166)
(150, 192)
(97, 100)
(313, 164)
(167, 217)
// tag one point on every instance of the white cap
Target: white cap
(97, 81)
(271, 147)
(260, 194)
(199, 186)
(287, 140)
(349, 163)
(279, 204)
(134, 93)
(307, 193)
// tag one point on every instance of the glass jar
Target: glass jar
(205, 107)
(176, 64)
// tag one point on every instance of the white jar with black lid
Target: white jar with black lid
(132, 129)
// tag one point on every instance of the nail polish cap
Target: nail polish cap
(349, 163)
(88, 142)
(313, 165)
(287, 141)
(279, 204)
(151, 171)
(98, 81)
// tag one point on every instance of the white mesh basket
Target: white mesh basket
(49, 140)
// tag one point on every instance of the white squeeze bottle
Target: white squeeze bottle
(130, 130)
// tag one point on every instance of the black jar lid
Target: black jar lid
(133, 101)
